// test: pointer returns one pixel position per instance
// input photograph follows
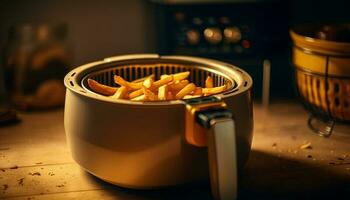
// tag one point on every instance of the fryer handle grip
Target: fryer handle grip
(222, 157)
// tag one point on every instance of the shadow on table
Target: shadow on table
(269, 177)
(190, 191)
(265, 177)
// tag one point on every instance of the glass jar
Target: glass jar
(37, 58)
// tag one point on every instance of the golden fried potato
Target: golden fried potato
(100, 88)
(144, 78)
(209, 83)
(161, 82)
(139, 98)
(121, 93)
(148, 82)
(177, 77)
(191, 96)
(164, 76)
(186, 90)
(170, 96)
(135, 93)
(129, 85)
(181, 76)
(197, 91)
(163, 92)
(149, 94)
(178, 86)
(214, 90)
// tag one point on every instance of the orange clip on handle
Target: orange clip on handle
(195, 134)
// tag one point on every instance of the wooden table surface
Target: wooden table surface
(35, 162)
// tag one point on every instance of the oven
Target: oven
(250, 34)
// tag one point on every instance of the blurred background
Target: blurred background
(42, 40)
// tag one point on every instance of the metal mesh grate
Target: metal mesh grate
(133, 72)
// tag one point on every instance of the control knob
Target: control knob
(192, 36)
(232, 34)
(213, 35)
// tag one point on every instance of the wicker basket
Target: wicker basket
(322, 73)
(334, 102)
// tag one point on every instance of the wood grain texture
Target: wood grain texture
(35, 162)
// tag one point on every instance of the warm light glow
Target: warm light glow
(232, 34)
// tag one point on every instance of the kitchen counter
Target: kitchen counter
(35, 162)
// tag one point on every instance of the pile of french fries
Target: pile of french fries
(168, 87)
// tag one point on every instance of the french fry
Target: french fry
(121, 93)
(170, 96)
(209, 83)
(164, 76)
(148, 82)
(135, 93)
(180, 76)
(214, 90)
(191, 96)
(162, 92)
(161, 82)
(139, 98)
(197, 91)
(149, 94)
(186, 90)
(129, 85)
(100, 88)
(178, 86)
(143, 79)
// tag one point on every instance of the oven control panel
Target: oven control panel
(244, 33)
(211, 35)
(235, 29)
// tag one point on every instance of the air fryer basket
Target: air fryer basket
(132, 72)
